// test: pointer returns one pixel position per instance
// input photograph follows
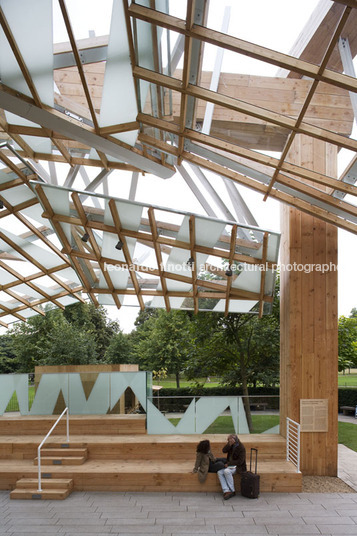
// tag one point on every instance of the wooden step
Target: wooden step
(63, 451)
(49, 494)
(46, 483)
(61, 460)
(115, 424)
(52, 488)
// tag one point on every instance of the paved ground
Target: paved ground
(183, 514)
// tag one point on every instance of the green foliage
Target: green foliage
(163, 340)
(81, 334)
(87, 317)
(347, 397)
(8, 361)
(347, 342)
(119, 349)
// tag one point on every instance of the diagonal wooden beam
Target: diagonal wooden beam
(157, 248)
(126, 252)
(230, 262)
(192, 232)
(67, 247)
(263, 274)
(239, 46)
(247, 108)
(310, 95)
(82, 215)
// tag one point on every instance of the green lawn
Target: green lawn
(13, 404)
(224, 425)
(347, 380)
(347, 434)
(171, 383)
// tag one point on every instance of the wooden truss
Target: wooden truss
(311, 96)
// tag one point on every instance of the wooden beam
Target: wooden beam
(192, 232)
(249, 109)
(126, 251)
(242, 47)
(153, 227)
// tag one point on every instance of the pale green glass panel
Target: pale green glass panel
(45, 257)
(31, 26)
(18, 195)
(188, 423)
(208, 232)
(60, 203)
(242, 418)
(50, 387)
(235, 306)
(118, 384)
(208, 408)
(138, 385)
(118, 87)
(97, 402)
(9, 383)
(156, 422)
(273, 247)
(5, 277)
(248, 279)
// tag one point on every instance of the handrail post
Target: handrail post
(39, 468)
(45, 439)
(67, 427)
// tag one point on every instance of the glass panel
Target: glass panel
(10, 383)
(89, 393)
(31, 26)
(118, 80)
(51, 390)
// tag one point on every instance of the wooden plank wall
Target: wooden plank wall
(309, 318)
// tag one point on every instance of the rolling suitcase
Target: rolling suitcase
(250, 482)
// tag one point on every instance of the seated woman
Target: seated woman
(205, 461)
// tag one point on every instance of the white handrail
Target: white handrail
(293, 442)
(43, 441)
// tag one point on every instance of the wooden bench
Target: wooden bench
(346, 410)
(260, 406)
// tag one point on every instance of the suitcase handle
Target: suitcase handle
(256, 459)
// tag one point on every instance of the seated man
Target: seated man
(235, 462)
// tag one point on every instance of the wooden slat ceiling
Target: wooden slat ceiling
(252, 115)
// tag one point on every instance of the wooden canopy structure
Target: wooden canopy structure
(139, 100)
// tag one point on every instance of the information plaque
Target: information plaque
(314, 415)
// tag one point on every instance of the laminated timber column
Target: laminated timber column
(309, 318)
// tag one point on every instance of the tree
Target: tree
(52, 340)
(91, 319)
(8, 362)
(164, 340)
(119, 349)
(347, 341)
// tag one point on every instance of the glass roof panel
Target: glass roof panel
(118, 84)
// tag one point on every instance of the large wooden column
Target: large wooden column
(309, 318)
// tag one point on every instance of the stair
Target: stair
(62, 455)
(52, 488)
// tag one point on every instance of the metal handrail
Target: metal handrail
(293, 442)
(43, 441)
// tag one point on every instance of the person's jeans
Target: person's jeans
(226, 478)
